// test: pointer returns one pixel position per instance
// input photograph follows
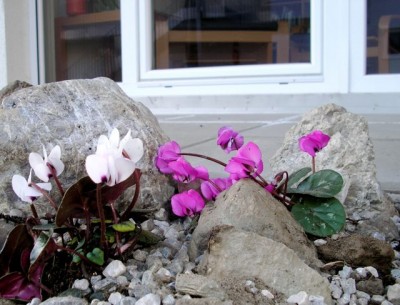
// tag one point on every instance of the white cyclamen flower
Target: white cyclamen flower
(25, 191)
(109, 164)
(41, 165)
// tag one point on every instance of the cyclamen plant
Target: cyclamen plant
(309, 195)
(85, 225)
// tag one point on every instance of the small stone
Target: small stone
(267, 294)
(114, 269)
(373, 271)
(140, 255)
(163, 225)
(17, 213)
(82, 284)
(345, 272)
(362, 301)
(300, 298)
(103, 284)
(393, 294)
(348, 286)
(316, 300)
(319, 242)
(161, 214)
(147, 225)
(127, 301)
(336, 291)
(115, 298)
(65, 300)
(371, 286)
(377, 299)
(168, 300)
(149, 299)
(34, 301)
(175, 267)
(362, 272)
(164, 275)
(386, 302)
(95, 278)
(362, 294)
(122, 281)
(345, 299)
(139, 291)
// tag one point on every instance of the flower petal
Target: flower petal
(35, 159)
(125, 169)
(97, 168)
(114, 138)
(177, 207)
(134, 149)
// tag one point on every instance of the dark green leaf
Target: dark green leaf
(319, 216)
(43, 249)
(148, 238)
(298, 175)
(75, 258)
(324, 184)
(96, 256)
(126, 226)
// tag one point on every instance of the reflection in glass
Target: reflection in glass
(199, 33)
(383, 37)
(83, 39)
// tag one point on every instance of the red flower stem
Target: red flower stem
(100, 209)
(137, 174)
(257, 181)
(313, 165)
(204, 157)
(115, 220)
(54, 175)
(34, 212)
(262, 179)
(45, 194)
(87, 217)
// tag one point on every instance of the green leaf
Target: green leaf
(324, 184)
(298, 175)
(148, 238)
(75, 258)
(96, 256)
(126, 226)
(319, 216)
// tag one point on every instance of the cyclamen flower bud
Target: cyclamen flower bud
(229, 139)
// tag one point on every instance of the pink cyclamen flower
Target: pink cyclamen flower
(229, 139)
(313, 142)
(270, 188)
(41, 165)
(187, 203)
(25, 191)
(112, 163)
(167, 153)
(211, 189)
(246, 163)
(183, 171)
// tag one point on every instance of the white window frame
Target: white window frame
(359, 80)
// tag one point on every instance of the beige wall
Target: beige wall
(16, 35)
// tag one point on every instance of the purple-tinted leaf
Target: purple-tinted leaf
(16, 286)
(83, 191)
(18, 240)
(43, 249)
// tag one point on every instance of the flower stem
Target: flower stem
(45, 194)
(137, 173)
(34, 212)
(313, 165)
(204, 157)
(54, 175)
(100, 209)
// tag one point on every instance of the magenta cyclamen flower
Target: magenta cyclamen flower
(211, 189)
(187, 203)
(313, 142)
(183, 171)
(167, 153)
(246, 163)
(229, 139)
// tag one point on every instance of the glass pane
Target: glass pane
(82, 39)
(200, 33)
(383, 36)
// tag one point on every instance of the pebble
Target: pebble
(114, 269)
(149, 299)
(82, 284)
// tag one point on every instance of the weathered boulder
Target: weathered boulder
(234, 253)
(350, 152)
(73, 114)
(249, 207)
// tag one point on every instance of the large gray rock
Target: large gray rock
(249, 207)
(350, 152)
(238, 254)
(73, 114)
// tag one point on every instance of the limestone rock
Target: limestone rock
(73, 114)
(359, 251)
(248, 207)
(65, 301)
(350, 152)
(234, 253)
(202, 301)
(198, 285)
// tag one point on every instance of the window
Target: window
(209, 33)
(82, 39)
